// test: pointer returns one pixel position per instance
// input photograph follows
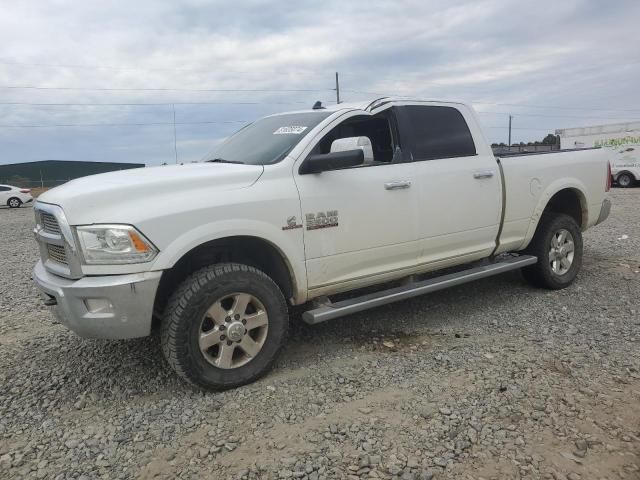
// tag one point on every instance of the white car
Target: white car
(14, 197)
(296, 208)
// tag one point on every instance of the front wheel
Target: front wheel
(558, 245)
(14, 202)
(224, 326)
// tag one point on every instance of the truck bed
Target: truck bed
(526, 154)
(530, 180)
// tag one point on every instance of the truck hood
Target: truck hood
(119, 195)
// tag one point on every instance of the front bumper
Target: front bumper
(604, 211)
(110, 306)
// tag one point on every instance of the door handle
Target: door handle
(397, 185)
(484, 174)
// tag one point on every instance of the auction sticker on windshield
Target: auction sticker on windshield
(294, 130)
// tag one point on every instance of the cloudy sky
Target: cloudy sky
(96, 80)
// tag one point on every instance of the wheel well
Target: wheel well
(570, 202)
(252, 251)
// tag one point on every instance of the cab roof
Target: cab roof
(367, 105)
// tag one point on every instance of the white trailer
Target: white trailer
(621, 139)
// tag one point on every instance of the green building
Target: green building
(51, 173)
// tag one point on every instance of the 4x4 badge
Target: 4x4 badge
(292, 223)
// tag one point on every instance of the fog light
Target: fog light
(98, 305)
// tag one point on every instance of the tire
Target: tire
(625, 180)
(563, 272)
(14, 202)
(198, 314)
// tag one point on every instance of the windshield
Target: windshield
(267, 140)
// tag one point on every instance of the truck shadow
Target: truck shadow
(79, 370)
(464, 310)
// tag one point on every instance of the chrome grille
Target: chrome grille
(57, 253)
(49, 223)
(56, 242)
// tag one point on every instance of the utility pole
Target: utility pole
(175, 143)
(510, 117)
(337, 89)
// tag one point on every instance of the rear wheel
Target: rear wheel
(558, 245)
(224, 326)
(14, 202)
(625, 180)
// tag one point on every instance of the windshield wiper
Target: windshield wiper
(222, 160)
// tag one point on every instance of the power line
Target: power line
(555, 107)
(521, 105)
(598, 66)
(122, 124)
(60, 65)
(220, 90)
(169, 104)
(481, 112)
(137, 68)
(146, 104)
(144, 124)
(521, 128)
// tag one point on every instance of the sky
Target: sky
(102, 81)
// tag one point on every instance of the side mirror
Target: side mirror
(353, 143)
(331, 161)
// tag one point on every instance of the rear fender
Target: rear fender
(562, 184)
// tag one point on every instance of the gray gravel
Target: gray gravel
(491, 380)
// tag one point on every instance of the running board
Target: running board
(372, 300)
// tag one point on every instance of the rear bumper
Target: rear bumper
(604, 211)
(110, 306)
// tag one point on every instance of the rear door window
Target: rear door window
(436, 132)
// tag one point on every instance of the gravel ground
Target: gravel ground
(491, 380)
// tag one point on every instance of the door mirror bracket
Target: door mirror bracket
(331, 161)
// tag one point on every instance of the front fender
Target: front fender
(288, 242)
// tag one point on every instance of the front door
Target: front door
(361, 222)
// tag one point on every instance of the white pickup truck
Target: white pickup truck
(296, 208)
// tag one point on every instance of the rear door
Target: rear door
(460, 198)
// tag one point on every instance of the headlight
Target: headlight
(114, 244)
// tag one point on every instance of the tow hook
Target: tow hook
(50, 301)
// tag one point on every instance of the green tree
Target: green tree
(551, 139)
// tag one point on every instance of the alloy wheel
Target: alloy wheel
(561, 252)
(233, 330)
